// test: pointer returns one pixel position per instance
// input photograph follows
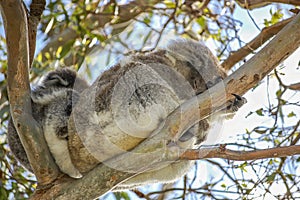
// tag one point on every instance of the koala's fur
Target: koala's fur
(130, 100)
(52, 103)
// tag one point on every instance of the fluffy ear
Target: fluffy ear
(55, 79)
(66, 78)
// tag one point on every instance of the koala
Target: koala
(201, 69)
(131, 99)
(52, 102)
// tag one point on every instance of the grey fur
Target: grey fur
(131, 100)
(202, 70)
(52, 103)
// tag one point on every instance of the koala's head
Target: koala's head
(199, 59)
(64, 78)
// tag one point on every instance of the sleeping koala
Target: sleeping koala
(131, 99)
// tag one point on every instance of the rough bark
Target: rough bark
(252, 4)
(222, 152)
(36, 9)
(16, 31)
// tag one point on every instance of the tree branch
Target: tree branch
(251, 4)
(34, 16)
(16, 29)
(222, 152)
(254, 44)
(102, 178)
(295, 86)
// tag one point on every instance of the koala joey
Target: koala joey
(52, 102)
(130, 100)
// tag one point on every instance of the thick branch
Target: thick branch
(36, 9)
(254, 44)
(251, 4)
(222, 152)
(95, 183)
(16, 29)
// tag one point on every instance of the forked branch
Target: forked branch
(16, 30)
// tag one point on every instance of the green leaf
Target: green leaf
(259, 112)
(147, 20)
(66, 48)
(201, 21)
(170, 4)
(271, 178)
(59, 49)
(290, 176)
(243, 166)
(270, 162)
(291, 114)
(260, 131)
(278, 93)
(3, 194)
(121, 196)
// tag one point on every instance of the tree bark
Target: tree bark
(252, 4)
(222, 152)
(32, 138)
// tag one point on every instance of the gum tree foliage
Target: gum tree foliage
(70, 31)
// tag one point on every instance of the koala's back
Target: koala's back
(132, 98)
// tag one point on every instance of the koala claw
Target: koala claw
(238, 102)
(62, 132)
(76, 174)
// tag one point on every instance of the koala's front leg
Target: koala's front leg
(62, 128)
(238, 102)
(62, 132)
(234, 105)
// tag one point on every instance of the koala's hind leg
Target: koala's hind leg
(59, 150)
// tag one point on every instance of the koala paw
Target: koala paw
(238, 102)
(62, 132)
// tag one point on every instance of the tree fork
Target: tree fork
(16, 30)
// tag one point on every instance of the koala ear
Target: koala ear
(55, 79)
